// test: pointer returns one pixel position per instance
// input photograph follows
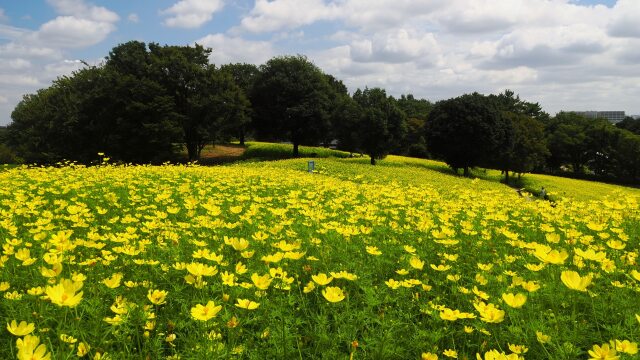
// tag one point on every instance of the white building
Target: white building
(613, 116)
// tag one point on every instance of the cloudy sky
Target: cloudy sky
(564, 54)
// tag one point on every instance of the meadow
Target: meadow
(264, 260)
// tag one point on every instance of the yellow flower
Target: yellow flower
(574, 281)
(261, 282)
(542, 338)
(322, 279)
(515, 301)
(603, 352)
(373, 250)
(489, 313)
(83, 349)
(21, 329)
(429, 356)
(450, 353)
(416, 263)
(28, 349)
(205, 312)
(68, 339)
(199, 269)
(157, 297)
(635, 274)
(114, 281)
(309, 287)
(4, 286)
(497, 355)
(333, 294)
(547, 255)
(65, 293)
(393, 284)
(626, 346)
(518, 349)
(247, 304)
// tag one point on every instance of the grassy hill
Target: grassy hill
(264, 260)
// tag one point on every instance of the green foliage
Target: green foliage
(382, 125)
(466, 131)
(244, 76)
(291, 101)
(271, 151)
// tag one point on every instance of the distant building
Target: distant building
(613, 116)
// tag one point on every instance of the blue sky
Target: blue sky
(571, 55)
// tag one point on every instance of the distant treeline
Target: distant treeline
(147, 103)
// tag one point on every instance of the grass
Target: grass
(258, 260)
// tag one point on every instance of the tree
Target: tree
(630, 124)
(466, 131)
(529, 148)
(627, 157)
(244, 76)
(567, 141)
(523, 147)
(382, 125)
(291, 102)
(417, 111)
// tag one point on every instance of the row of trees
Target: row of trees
(147, 102)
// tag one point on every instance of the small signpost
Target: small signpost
(311, 165)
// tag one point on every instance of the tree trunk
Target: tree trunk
(295, 150)
(192, 151)
(506, 177)
(466, 171)
(373, 160)
(241, 136)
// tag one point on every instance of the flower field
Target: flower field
(263, 260)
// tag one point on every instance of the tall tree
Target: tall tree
(244, 76)
(382, 125)
(567, 141)
(291, 101)
(417, 111)
(466, 131)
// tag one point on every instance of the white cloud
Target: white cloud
(624, 22)
(397, 46)
(235, 49)
(191, 13)
(80, 9)
(286, 14)
(18, 79)
(133, 17)
(73, 32)
(3, 16)
(3, 100)
(14, 64)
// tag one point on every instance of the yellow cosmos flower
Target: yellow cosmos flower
(4, 286)
(440, 267)
(429, 356)
(547, 255)
(603, 352)
(542, 338)
(373, 250)
(157, 297)
(498, 355)
(83, 349)
(450, 353)
(393, 284)
(65, 293)
(625, 346)
(113, 281)
(247, 304)
(344, 275)
(205, 312)
(199, 269)
(489, 313)
(29, 348)
(333, 294)
(514, 300)
(574, 281)
(21, 329)
(322, 279)
(309, 287)
(518, 349)
(635, 274)
(261, 282)
(416, 263)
